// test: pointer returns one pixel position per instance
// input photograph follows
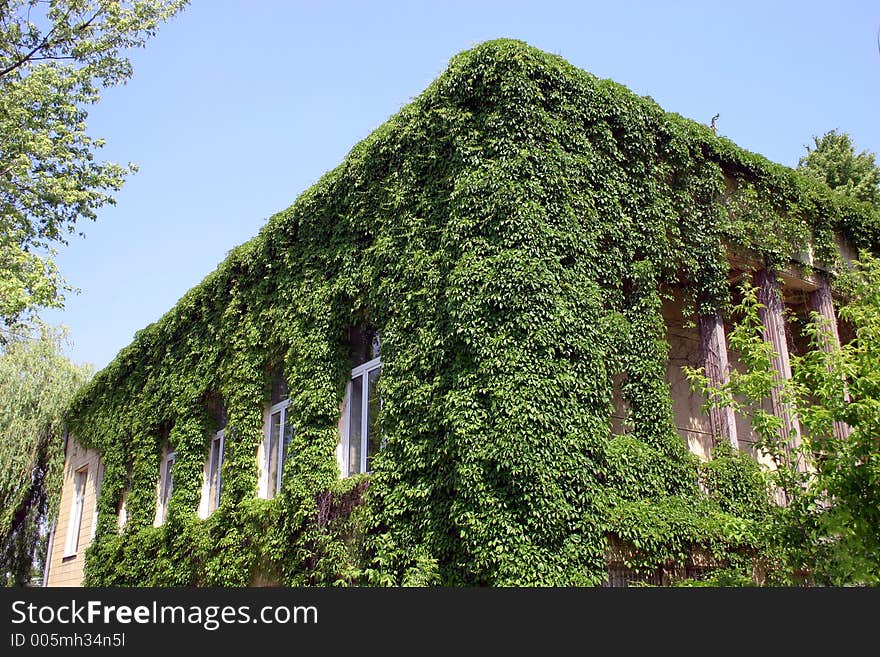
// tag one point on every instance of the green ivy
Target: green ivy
(508, 233)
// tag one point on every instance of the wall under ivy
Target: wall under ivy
(509, 234)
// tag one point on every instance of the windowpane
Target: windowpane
(169, 481)
(373, 406)
(272, 453)
(288, 434)
(76, 509)
(215, 481)
(122, 512)
(354, 425)
(167, 485)
(81, 484)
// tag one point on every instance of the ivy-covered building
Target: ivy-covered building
(458, 358)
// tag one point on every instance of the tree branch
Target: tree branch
(46, 42)
(52, 57)
(24, 60)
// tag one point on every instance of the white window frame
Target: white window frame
(166, 471)
(363, 372)
(215, 502)
(122, 515)
(99, 481)
(80, 478)
(271, 491)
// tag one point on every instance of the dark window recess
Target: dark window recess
(216, 409)
(279, 390)
(364, 344)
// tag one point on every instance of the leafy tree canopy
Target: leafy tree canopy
(833, 161)
(55, 57)
(36, 384)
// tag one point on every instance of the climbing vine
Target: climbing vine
(508, 234)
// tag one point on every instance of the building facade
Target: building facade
(475, 329)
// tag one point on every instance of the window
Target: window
(122, 513)
(362, 438)
(280, 431)
(76, 512)
(215, 474)
(99, 480)
(166, 486)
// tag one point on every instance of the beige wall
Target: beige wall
(744, 432)
(68, 570)
(342, 428)
(691, 422)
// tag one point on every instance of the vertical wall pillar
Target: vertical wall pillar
(774, 332)
(713, 348)
(821, 302)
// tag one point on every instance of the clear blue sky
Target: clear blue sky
(237, 106)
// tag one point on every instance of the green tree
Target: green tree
(829, 525)
(36, 384)
(55, 58)
(833, 161)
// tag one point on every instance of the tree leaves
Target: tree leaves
(54, 60)
(36, 385)
(833, 161)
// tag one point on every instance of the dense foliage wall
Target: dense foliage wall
(510, 234)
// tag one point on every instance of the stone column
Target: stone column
(821, 302)
(774, 332)
(713, 348)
